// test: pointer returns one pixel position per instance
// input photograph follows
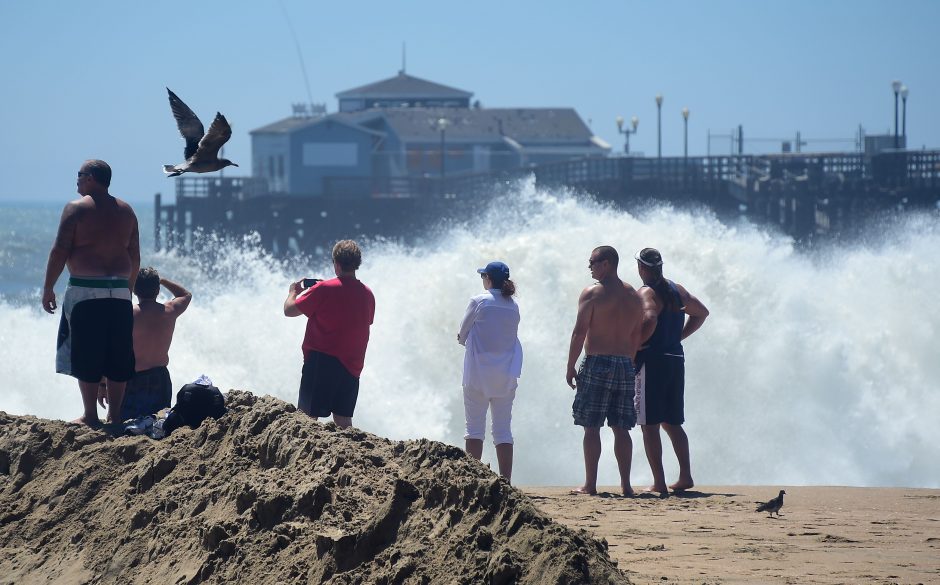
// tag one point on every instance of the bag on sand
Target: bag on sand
(194, 404)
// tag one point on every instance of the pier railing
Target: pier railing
(220, 187)
(671, 175)
(623, 176)
(454, 186)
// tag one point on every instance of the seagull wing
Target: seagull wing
(218, 134)
(188, 123)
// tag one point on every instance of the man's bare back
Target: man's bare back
(97, 236)
(154, 323)
(153, 332)
(104, 228)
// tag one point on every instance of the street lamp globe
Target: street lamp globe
(634, 121)
(659, 99)
(903, 91)
(896, 86)
(685, 113)
(619, 122)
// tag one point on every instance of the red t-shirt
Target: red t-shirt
(339, 312)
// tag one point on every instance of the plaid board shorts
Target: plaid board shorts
(605, 389)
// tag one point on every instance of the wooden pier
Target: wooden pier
(807, 195)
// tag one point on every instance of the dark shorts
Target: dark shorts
(660, 390)
(604, 391)
(327, 387)
(96, 334)
(148, 392)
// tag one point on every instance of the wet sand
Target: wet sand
(713, 534)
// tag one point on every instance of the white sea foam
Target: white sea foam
(812, 368)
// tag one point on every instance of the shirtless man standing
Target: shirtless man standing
(98, 240)
(609, 329)
(151, 389)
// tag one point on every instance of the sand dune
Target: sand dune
(267, 495)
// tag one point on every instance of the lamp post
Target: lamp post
(659, 126)
(896, 86)
(442, 126)
(904, 114)
(634, 122)
(685, 141)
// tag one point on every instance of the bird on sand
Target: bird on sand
(202, 148)
(773, 505)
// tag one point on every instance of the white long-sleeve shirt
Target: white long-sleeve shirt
(489, 331)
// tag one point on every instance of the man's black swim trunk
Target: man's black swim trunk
(327, 387)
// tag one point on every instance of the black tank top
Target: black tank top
(667, 338)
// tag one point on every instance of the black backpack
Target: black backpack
(194, 404)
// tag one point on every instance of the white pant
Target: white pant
(475, 403)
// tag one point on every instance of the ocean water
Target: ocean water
(814, 367)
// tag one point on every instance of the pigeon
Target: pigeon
(202, 148)
(773, 505)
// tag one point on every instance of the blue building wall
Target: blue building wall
(337, 158)
(270, 155)
(328, 149)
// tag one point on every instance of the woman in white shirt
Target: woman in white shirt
(492, 364)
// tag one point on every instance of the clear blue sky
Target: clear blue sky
(86, 79)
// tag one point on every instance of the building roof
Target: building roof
(288, 125)
(527, 126)
(522, 127)
(404, 86)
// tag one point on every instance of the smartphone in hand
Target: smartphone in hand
(308, 282)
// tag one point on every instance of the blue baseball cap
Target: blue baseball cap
(496, 270)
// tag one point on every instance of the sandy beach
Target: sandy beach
(266, 495)
(714, 535)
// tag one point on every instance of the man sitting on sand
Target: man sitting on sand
(98, 240)
(151, 389)
(609, 329)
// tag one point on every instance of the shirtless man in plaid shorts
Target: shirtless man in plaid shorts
(609, 328)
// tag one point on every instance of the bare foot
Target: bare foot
(681, 486)
(662, 491)
(628, 492)
(583, 491)
(94, 423)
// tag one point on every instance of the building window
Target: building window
(330, 154)
(280, 166)
(414, 160)
(434, 159)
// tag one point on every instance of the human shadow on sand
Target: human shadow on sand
(695, 494)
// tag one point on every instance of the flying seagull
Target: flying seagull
(773, 505)
(202, 148)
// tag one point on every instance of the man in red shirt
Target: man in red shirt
(339, 312)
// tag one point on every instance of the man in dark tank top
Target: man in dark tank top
(660, 363)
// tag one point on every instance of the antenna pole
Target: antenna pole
(300, 55)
